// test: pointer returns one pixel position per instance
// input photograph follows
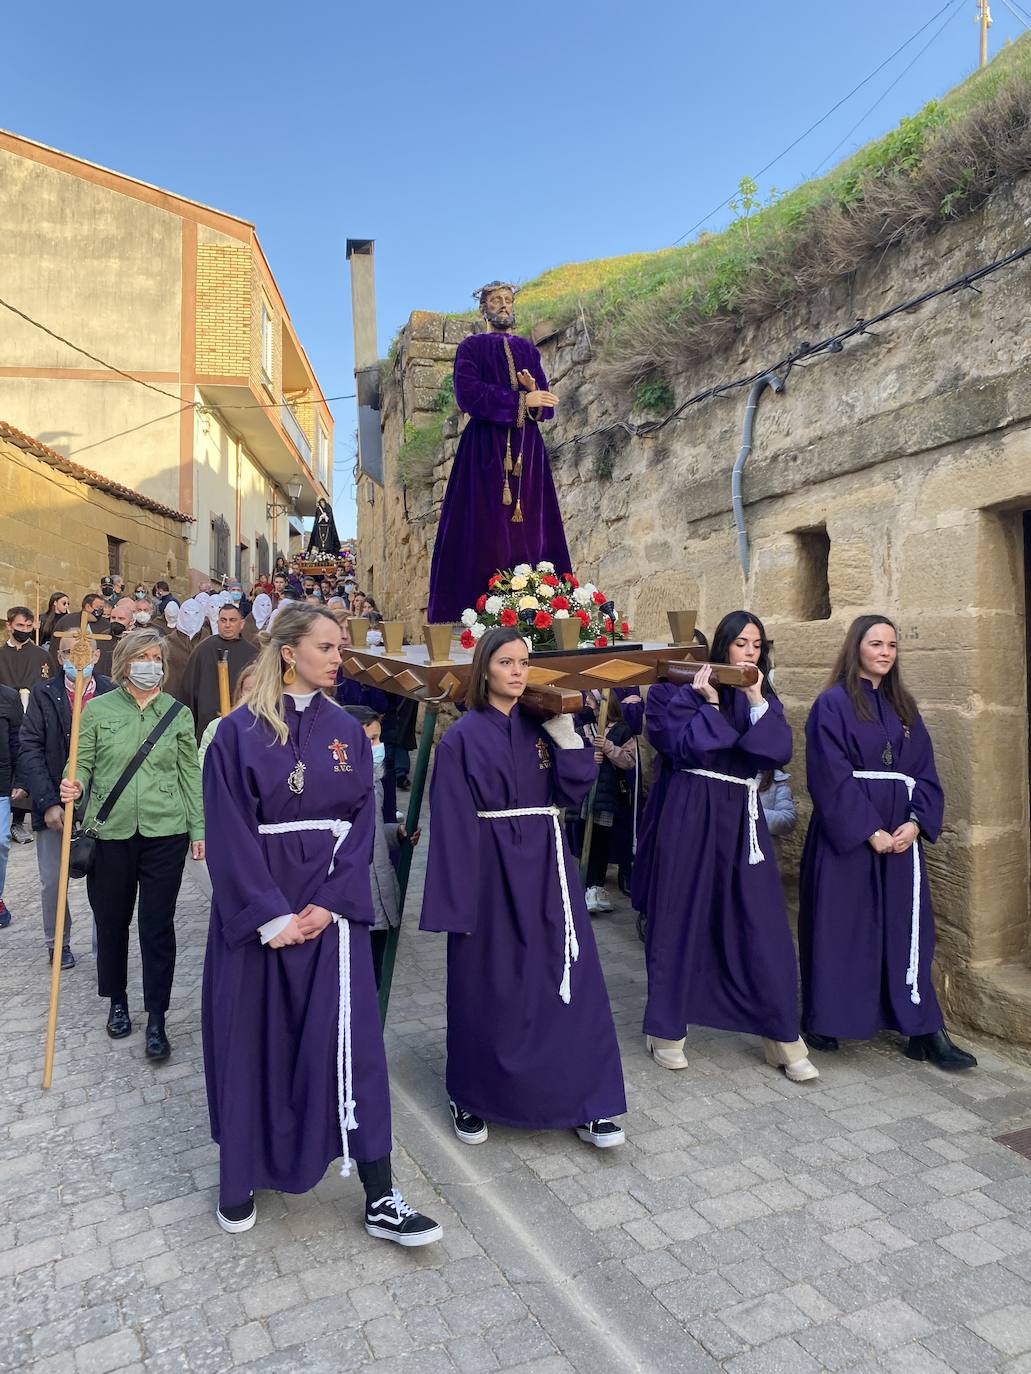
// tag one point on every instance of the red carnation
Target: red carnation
(599, 598)
(550, 580)
(494, 580)
(583, 617)
(568, 577)
(481, 603)
(608, 624)
(467, 641)
(542, 620)
(624, 628)
(508, 616)
(601, 642)
(560, 603)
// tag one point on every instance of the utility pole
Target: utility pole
(984, 19)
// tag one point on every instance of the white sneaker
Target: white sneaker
(668, 1054)
(791, 1059)
(602, 898)
(235, 1219)
(801, 1071)
(596, 900)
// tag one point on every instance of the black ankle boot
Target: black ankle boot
(157, 1041)
(940, 1050)
(118, 1023)
(826, 1043)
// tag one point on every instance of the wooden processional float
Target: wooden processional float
(437, 673)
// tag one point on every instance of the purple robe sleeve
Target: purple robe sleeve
(768, 741)
(573, 772)
(632, 706)
(928, 798)
(482, 400)
(847, 817)
(452, 866)
(246, 895)
(539, 413)
(684, 728)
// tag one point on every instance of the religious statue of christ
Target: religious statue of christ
(500, 507)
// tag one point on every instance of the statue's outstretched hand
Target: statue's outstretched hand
(526, 380)
(535, 399)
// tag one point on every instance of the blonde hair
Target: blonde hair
(131, 645)
(285, 630)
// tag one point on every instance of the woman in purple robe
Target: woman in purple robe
(530, 1037)
(293, 1048)
(718, 946)
(866, 925)
(500, 507)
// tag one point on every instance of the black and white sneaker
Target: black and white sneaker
(471, 1130)
(602, 1133)
(240, 1218)
(391, 1218)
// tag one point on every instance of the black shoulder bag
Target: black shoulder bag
(84, 840)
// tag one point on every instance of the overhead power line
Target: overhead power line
(804, 352)
(130, 377)
(823, 118)
(885, 93)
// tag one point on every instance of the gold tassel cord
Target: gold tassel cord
(506, 496)
(517, 514)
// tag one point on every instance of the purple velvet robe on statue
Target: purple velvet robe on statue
(855, 906)
(270, 1015)
(516, 1053)
(476, 537)
(719, 949)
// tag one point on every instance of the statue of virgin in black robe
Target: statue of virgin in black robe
(324, 537)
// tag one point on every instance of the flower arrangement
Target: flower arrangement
(532, 599)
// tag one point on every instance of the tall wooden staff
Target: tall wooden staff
(81, 655)
(585, 849)
(225, 705)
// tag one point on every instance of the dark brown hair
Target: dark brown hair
(846, 671)
(476, 698)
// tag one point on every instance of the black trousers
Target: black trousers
(152, 867)
(598, 858)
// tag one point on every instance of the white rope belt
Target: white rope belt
(571, 946)
(913, 971)
(755, 854)
(345, 1086)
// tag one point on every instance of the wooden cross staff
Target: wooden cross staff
(81, 656)
(224, 703)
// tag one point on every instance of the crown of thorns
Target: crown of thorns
(484, 291)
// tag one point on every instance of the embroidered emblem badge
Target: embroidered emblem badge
(339, 751)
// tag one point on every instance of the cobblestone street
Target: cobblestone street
(868, 1222)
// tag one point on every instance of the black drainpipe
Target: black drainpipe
(772, 380)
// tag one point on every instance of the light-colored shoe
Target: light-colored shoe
(792, 1059)
(668, 1054)
(601, 900)
(591, 898)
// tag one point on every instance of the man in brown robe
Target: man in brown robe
(200, 680)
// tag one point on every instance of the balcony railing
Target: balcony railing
(296, 433)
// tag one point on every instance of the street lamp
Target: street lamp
(293, 490)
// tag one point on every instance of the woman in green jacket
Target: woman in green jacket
(142, 845)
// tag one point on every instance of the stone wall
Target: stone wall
(893, 477)
(55, 528)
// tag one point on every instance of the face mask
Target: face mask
(21, 636)
(98, 613)
(69, 671)
(117, 628)
(379, 755)
(141, 617)
(236, 596)
(145, 675)
(141, 596)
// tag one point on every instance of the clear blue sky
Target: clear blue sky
(469, 140)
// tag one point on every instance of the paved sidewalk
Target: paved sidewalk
(866, 1223)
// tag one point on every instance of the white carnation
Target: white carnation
(590, 588)
(522, 570)
(468, 617)
(494, 605)
(477, 631)
(545, 591)
(545, 567)
(561, 615)
(582, 596)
